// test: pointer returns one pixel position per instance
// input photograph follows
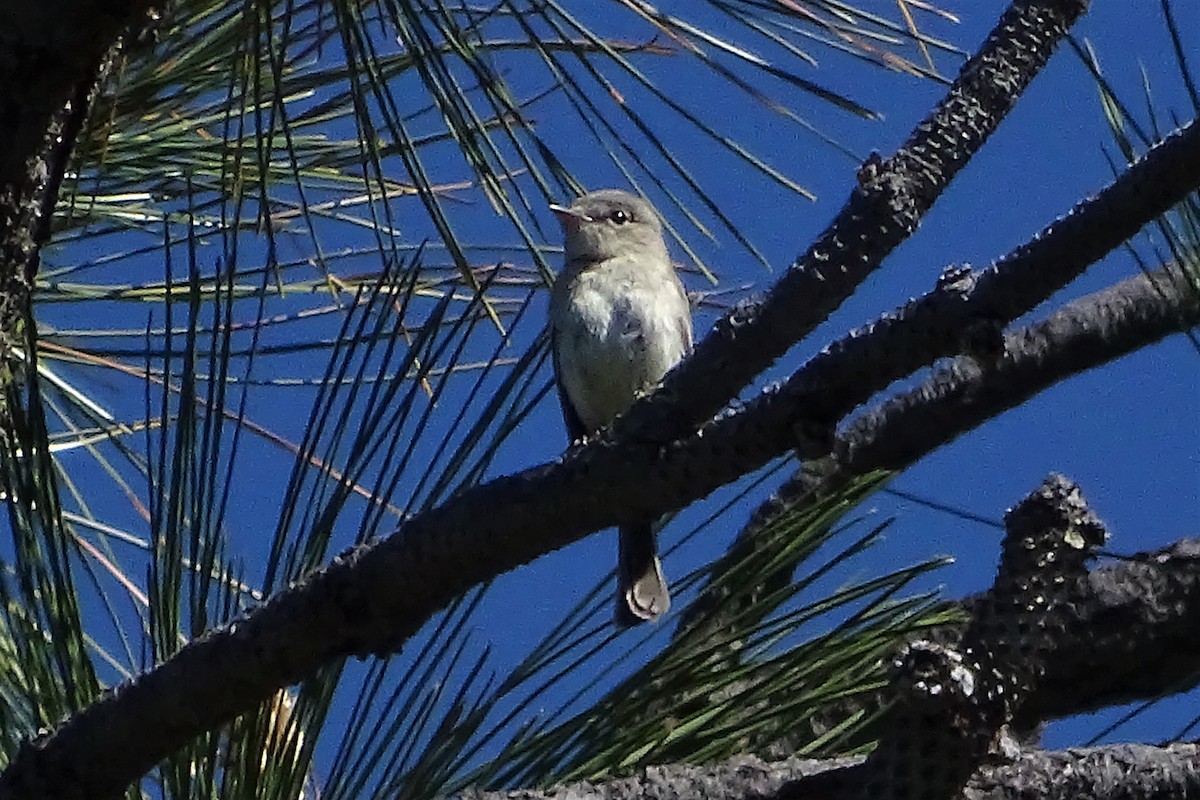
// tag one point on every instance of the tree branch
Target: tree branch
(1084, 334)
(967, 310)
(973, 389)
(47, 69)
(1126, 770)
(1144, 611)
(886, 206)
(953, 700)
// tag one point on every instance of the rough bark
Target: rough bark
(1116, 772)
(1084, 334)
(47, 71)
(971, 389)
(52, 57)
(952, 702)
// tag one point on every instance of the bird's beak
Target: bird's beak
(569, 218)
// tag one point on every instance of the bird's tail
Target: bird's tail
(641, 589)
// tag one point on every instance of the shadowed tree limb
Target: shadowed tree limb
(1142, 611)
(1084, 334)
(1122, 617)
(47, 71)
(953, 702)
(967, 310)
(52, 57)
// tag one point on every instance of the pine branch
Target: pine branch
(1142, 610)
(884, 209)
(952, 702)
(1125, 770)
(47, 72)
(961, 315)
(52, 57)
(1084, 334)
(967, 310)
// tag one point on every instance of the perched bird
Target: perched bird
(619, 321)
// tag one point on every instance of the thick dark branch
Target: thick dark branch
(51, 56)
(1143, 612)
(47, 69)
(1079, 774)
(952, 701)
(1139, 611)
(962, 395)
(967, 310)
(891, 198)
(1083, 335)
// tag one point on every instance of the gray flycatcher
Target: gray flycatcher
(619, 320)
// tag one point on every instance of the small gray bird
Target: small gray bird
(619, 321)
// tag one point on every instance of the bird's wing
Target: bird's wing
(685, 322)
(575, 427)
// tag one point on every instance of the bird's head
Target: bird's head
(610, 224)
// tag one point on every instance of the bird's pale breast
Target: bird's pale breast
(614, 344)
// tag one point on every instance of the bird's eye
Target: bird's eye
(619, 217)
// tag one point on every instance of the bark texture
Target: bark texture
(1117, 772)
